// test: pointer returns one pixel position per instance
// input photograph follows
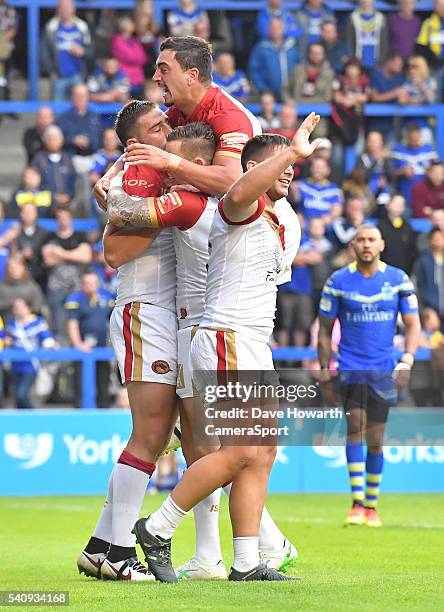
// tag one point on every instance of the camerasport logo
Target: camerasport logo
(31, 450)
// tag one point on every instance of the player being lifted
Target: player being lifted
(366, 297)
(244, 219)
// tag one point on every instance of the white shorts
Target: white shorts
(144, 338)
(217, 355)
(184, 387)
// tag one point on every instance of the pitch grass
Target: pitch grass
(398, 567)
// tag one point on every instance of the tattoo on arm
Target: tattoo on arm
(125, 211)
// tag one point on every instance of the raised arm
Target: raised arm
(122, 245)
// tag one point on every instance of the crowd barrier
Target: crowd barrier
(72, 452)
(89, 359)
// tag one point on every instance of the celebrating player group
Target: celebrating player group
(201, 233)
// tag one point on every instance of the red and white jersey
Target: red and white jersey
(292, 236)
(245, 262)
(151, 277)
(231, 122)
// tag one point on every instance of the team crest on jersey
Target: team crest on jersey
(183, 313)
(168, 202)
(160, 366)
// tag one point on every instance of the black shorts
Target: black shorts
(357, 396)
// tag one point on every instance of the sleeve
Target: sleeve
(2, 335)
(329, 304)
(45, 336)
(143, 181)
(423, 36)
(72, 306)
(398, 159)
(180, 209)
(261, 204)
(408, 302)
(232, 132)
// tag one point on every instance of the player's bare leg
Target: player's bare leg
(110, 553)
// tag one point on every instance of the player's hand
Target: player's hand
(184, 188)
(146, 155)
(324, 375)
(401, 375)
(100, 190)
(301, 144)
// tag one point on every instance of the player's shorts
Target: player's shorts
(217, 355)
(184, 386)
(144, 338)
(362, 396)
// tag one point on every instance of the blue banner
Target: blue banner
(72, 452)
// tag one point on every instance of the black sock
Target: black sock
(358, 503)
(120, 553)
(96, 545)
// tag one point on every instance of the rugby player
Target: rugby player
(244, 219)
(366, 297)
(143, 333)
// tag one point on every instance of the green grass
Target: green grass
(398, 567)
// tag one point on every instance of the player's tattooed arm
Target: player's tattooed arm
(126, 211)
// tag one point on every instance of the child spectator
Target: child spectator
(19, 284)
(267, 116)
(316, 195)
(129, 52)
(229, 78)
(30, 192)
(431, 335)
(181, 21)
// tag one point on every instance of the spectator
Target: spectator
(81, 127)
(430, 273)
(29, 332)
(428, 193)
(378, 168)
(311, 16)
(202, 29)
(30, 191)
(7, 236)
(55, 167)
(350, 93)
(320, 271)
(107, 155)
(436, 220)
(8, 30)
(398, 235)
(419, 88)
(153, 93)
(129, 52)
(88, 312)
(356, 185)
(66, 50)
(33, 136)
(343, 229)
(431, 336)
(64, 253)
(430, 41)
(19, 284)
(311, 83)
(109, 84)
(410, 162)
(274, 10)
(272, 61)
(30, 241)
(229, 78)
(267, 116)
(147, 30)
(336, 50)
(386, 86)
(181, 21)
(288, 120)
(367, 34)
(316, 195)
(403, 29)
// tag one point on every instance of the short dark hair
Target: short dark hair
(197, 139)
(435, 230)
(127, 118)
(191, 52)
(257, 147)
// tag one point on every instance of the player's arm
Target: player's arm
(324, 340)
(241, 201)
(122, 245)
(101, 187)
(128, 211)
(214, 180)
(412, 326)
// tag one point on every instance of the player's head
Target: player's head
(195, 142)
(368, 244)
(144, 122)
(261, 147)
(184, 65)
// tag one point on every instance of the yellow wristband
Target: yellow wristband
(173, 162)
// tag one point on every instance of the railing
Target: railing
(160, 6)
(89, 360)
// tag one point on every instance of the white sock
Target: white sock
(103, 529)
(270, 536)
(246, 554)
(206, 519)
(166, 520)
(129, 487)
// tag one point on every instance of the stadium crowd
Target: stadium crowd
(55, 288)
